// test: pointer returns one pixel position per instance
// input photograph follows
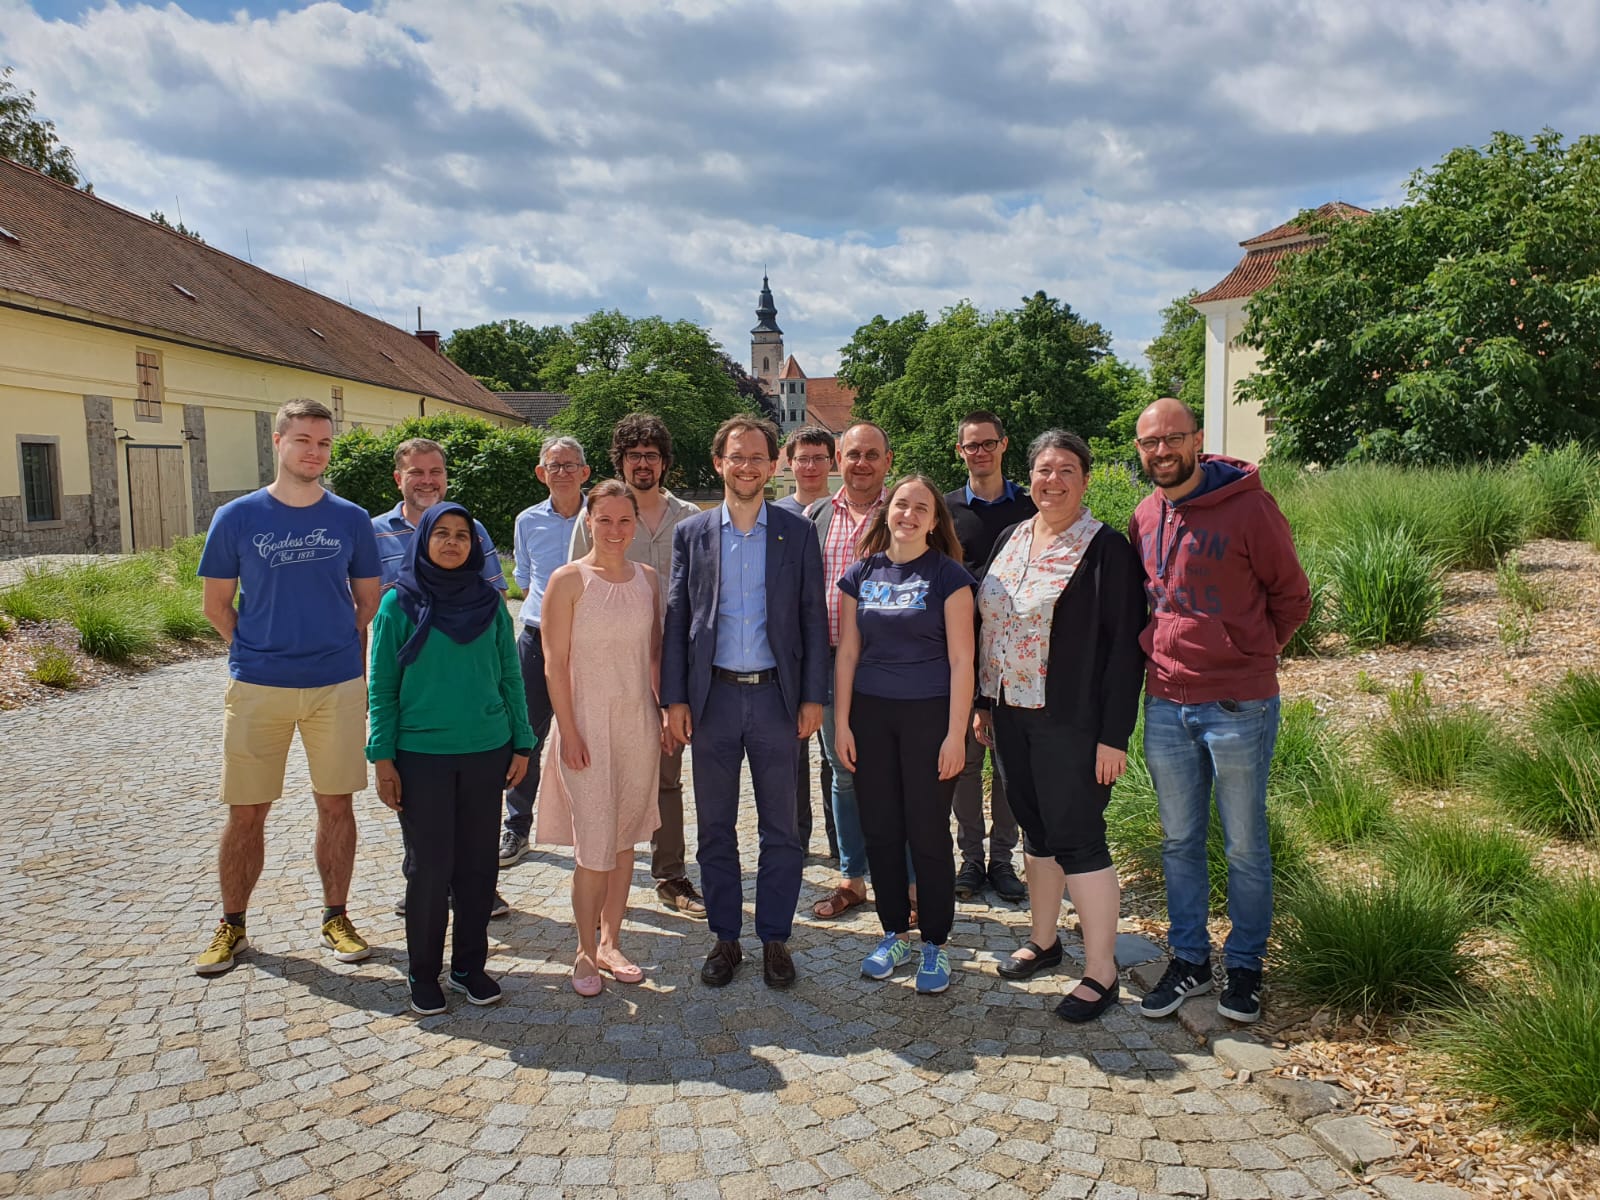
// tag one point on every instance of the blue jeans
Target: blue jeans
(846, 810)
(1188, 748)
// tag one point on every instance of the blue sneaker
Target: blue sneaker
(891, 952)
(933, 976)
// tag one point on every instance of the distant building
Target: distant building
(140, 370)
(799, 400)
(1242, 430)
(536, 408)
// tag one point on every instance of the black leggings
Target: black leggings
(1048, 771)
(450, 819)
(905, 804)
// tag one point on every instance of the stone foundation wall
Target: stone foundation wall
(76, 535)
(102, 520)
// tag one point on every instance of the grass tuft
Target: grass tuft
(1558, 487)
(1430, 747)
(1388, 588)
(1516, 589)
(1347, 807)
(179, 616)
(1551, 787)
(54, 667)
(1492, 868)
(1369, 948)
(1557, 926)
(112, 629)
(1572, 706)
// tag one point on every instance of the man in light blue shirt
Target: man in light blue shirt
(543, 536)
(419, 471)
(742, 645)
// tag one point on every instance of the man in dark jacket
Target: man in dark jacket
(1226, 592)
(983, 506)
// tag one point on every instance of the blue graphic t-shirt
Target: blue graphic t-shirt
(900, 615)
(297, 626)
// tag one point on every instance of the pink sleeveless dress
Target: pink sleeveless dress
(609, 806)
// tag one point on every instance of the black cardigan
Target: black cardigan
(1096, 666)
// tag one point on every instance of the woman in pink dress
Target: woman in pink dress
(602, 646)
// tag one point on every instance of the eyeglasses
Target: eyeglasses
(739, 461)
(562, 468)
(644, 458)
(810, 460)
(987, 446)
(1171, 441)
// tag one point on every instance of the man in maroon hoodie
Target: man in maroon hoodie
(1226, 591)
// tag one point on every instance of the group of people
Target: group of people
(917, 632)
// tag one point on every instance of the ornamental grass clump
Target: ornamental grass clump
(53, 667)
(112, 629)
(1426, 746)
(1557, 926)
(1387, 946)
(1558, 489)
(179, 615)
(1387, 586)
(1304, 750)
(1492, 868)
(1346, 807)
(1551, 786)
(1572, 706)
(1479, 517)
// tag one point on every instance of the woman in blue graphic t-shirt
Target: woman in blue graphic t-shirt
(902, 695)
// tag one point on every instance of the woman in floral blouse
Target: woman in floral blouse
(1061, 608)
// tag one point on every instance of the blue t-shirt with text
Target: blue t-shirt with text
(297, 625)
(900, 616)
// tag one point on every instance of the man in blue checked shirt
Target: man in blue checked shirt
(543, 537)
(419, 471)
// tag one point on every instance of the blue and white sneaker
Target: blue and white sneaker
(891, 952)
(933, 976)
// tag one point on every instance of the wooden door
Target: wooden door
(157, 499)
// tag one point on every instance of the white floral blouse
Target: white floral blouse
(1016, 605)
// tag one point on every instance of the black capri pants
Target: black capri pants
(1047, 767)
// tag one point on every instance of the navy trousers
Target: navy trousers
(740, 721)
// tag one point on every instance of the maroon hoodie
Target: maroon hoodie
(1226, 589)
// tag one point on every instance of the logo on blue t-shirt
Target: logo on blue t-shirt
(876, 594)
(312, 547)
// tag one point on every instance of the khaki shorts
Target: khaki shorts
(259, 722)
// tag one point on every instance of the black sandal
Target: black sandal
(1013, 967)
(1078, 1011)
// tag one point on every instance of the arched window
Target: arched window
(766, 364)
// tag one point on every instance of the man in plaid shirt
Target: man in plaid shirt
(841, 519)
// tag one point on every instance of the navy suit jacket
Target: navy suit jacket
(797, 614)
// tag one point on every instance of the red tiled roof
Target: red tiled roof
(76, 250)
(791, 369)
(1289, 229)
(828, 403)
(1255, 270)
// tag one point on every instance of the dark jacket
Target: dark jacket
(1225, 586)
(1095, 666)
(797, 621)
(978, 526)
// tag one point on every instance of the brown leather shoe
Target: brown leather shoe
(720, 964)
(777, 967)
(679, 896)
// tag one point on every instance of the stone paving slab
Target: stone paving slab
(123, 1074)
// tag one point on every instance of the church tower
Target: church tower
(766, 342)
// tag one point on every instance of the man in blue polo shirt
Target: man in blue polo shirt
(419, 471)
(543, 537)
(984, 507)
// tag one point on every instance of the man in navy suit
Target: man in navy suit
(744, 672)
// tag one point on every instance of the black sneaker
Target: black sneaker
(427, 997)
(480, 989)
(1241, 999)
(499, 908)
(1182, 980)
(1003, 879)
(970, 880)
(512, 847)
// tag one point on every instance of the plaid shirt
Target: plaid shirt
(839, 551)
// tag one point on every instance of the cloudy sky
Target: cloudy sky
(489, 158)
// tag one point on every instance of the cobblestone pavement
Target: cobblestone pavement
(124, 1074)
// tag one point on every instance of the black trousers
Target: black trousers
(1048, 769)
(519, 800)
(905, 805)
(802, 799)
(450, 817)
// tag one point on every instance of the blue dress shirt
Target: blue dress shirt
(742, 598)
(394, 534)
(543, 537)
(1011, 492)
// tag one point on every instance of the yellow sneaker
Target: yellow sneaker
(340, 936)
(227, 941)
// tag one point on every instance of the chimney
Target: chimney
(429, 338)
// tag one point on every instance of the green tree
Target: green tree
(1132, 392)
(160, 218)
(1033, 367)
(878, 353)
(507, 356)
(26, 139)
(1177, 355)
(1462, 325)
(611, 365)
(491, 467)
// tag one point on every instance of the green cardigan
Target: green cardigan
(452, 699)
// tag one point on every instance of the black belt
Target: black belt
(749, 678)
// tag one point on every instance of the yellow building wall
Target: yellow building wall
(1237, 430)
(48, 364)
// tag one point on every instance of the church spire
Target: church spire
(766, 311)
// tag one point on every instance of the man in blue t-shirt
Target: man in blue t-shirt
(304, 565)
(420, 474)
